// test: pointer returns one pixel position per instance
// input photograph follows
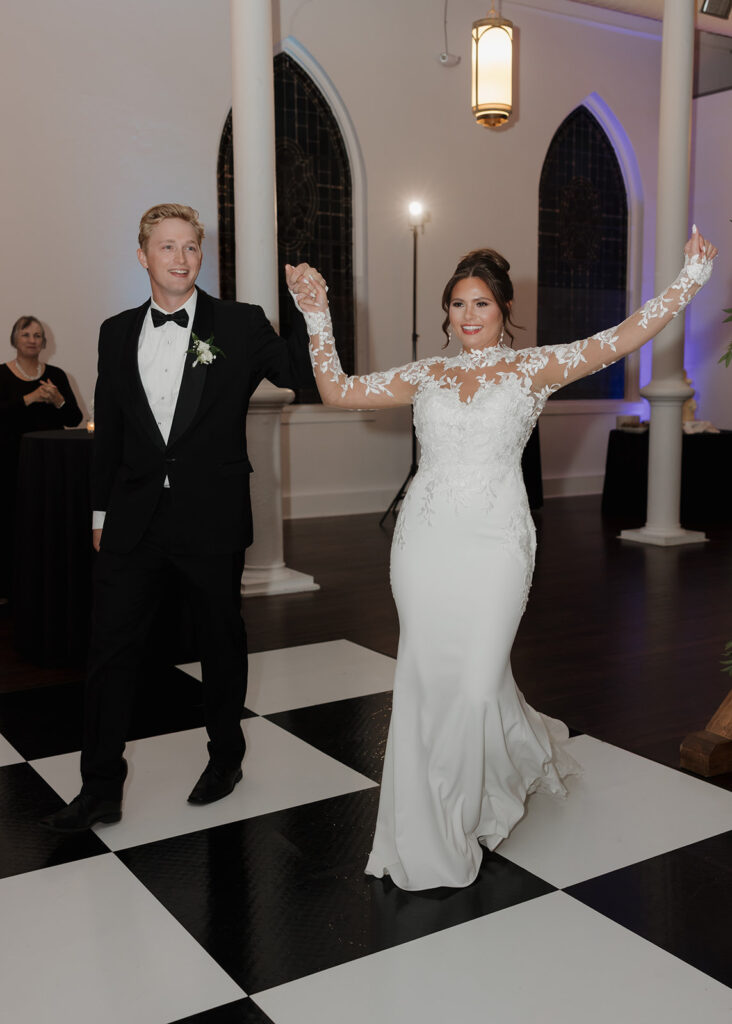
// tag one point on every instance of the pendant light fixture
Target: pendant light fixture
(492, 70)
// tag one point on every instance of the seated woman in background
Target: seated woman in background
(33, 396)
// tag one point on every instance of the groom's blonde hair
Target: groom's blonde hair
(163, 211)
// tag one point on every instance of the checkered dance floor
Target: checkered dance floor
(614, 905)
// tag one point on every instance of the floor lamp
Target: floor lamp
(417, 218)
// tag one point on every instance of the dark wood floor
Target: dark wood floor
(621, 641)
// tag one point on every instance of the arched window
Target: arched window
(583, 245)
(314, 202)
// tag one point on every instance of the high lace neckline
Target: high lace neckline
(471, 359)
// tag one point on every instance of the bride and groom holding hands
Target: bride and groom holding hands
(170, 487)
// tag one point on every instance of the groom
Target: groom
(170, 489)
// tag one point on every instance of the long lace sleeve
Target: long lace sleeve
(553, 366)
(370, 391)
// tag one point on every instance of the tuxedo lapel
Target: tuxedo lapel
(194, 377)
(139, 404)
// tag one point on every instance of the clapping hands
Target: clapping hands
(46, 392)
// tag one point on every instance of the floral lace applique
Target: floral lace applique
(696, 272)
(474, 411)
(586, 355)
(519, 540)
(324, 358)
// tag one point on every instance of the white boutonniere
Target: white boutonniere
(204, 351)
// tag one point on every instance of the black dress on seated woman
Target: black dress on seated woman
(33, 396)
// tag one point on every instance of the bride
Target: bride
(464, 748)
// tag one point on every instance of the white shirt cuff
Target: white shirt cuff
(98, 520)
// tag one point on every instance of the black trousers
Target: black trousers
(128, 590)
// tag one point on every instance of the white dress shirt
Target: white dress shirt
(161, 357)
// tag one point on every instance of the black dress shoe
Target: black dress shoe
(84, 811)
(214, 784)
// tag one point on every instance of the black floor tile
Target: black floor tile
(331, 834)
(284, 895)
(25, 798)
(281, 896)
(43, 722)
(681, 901)
(48, 721)
(352, 731)
(243, 1011)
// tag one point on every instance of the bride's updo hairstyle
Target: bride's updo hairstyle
(492, 269)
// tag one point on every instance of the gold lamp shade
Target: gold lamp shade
(492, 70)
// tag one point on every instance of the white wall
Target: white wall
(105, 109)
(707, 337)
(108, 108)
(418, 139)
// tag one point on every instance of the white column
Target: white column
(255, 225)
(667, 390)
(252, 122)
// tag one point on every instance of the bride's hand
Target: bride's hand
(313, 298)
(699, 246)
(308, 288)
(302, 278)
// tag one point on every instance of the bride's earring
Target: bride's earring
(449, 335)
(500, 340)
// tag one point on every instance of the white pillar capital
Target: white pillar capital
(657, 391)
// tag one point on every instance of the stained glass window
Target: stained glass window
(314, 202)
(583, 242)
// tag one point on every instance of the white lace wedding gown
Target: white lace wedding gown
(464, 748)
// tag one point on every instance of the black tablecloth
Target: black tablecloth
(53, 551)
(52, 593)
(704, 498)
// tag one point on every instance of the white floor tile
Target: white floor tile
(87, 943)
(622, 810)
(548, 960)
(280, 771)
(8, 754)
(296, 677)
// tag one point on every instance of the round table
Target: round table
(704, 488)
(53, 550)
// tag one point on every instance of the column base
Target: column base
(277, 580)
(668, 539)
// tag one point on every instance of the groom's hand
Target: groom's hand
(300, 279)
(96, 539)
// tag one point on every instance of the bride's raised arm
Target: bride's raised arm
(553, 366)
(371, 391)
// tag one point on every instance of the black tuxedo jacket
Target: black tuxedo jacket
(205, 458)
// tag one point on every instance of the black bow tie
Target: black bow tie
(180, 317)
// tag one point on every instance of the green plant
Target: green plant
(727, 659)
